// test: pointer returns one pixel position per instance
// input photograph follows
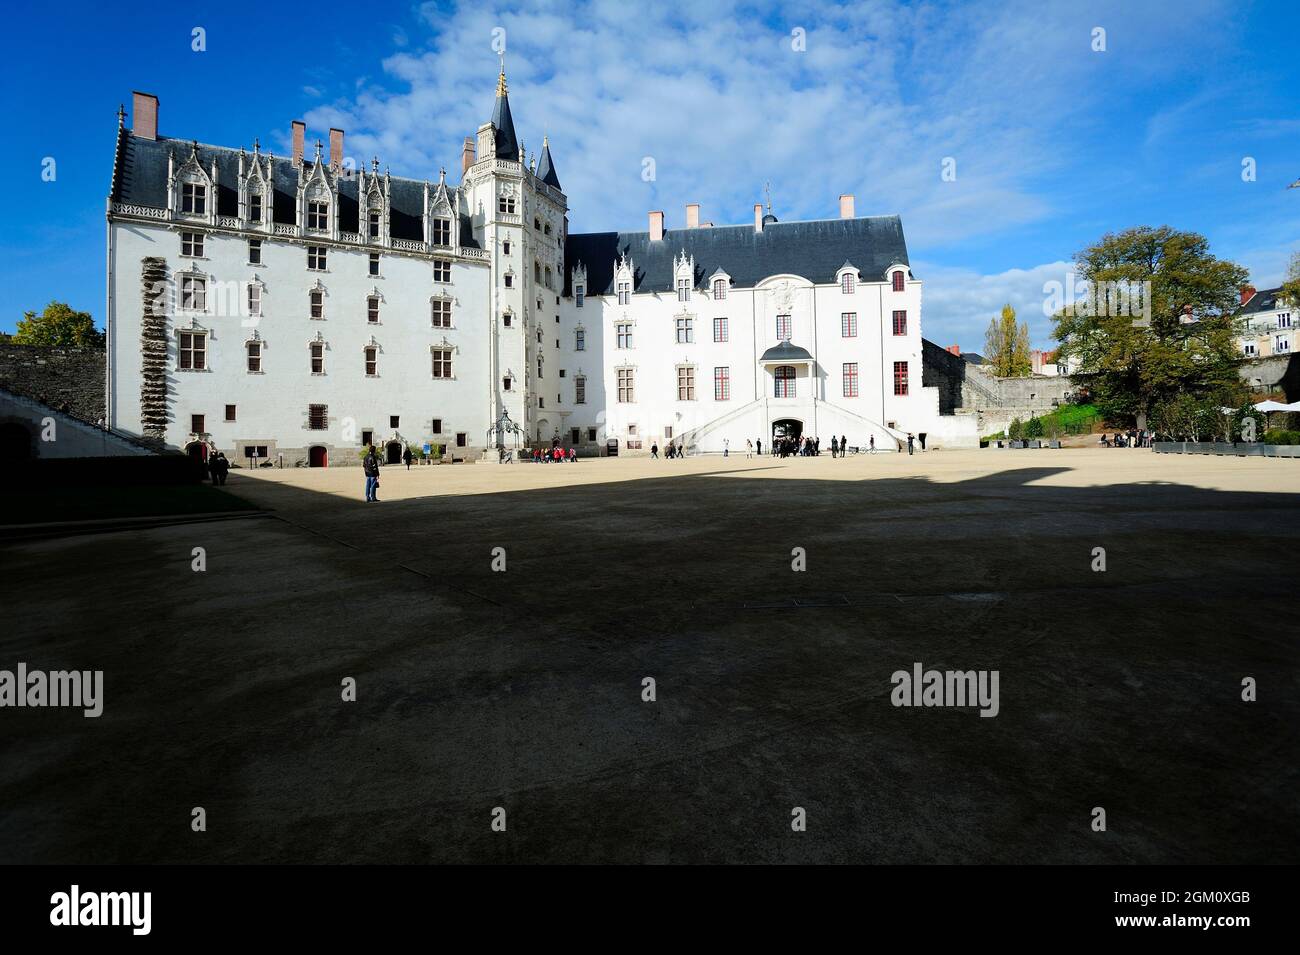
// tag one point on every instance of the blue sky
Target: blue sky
(1054, 143)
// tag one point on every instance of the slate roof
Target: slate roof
(786, 352)
(140, 178)
(545, 168)
(815, 250)
(1265, 300)
(506, 142)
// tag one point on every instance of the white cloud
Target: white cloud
(957, 304)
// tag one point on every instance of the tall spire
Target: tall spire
(546, 168)
(506, 142)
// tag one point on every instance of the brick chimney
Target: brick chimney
(693, 215)
(299, 134)
(954, 350)
(758, 217)
(846, 207)
(656, 226)
(467, 155)
(1247, 292)
(144, 115)
(336, 149)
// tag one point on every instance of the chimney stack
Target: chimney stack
(336, 149)
(758, 217)
(693, 215)
(954, 350)
(466, 155)
(656, 226)
(1247, 293)
(144, 115)
(299, 134)
(846, 207)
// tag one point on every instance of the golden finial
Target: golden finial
(501, 81)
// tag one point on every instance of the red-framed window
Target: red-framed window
(900, 321)
(783, 328)
(850, 379)
(847, 283)
(722, 384)
(849, 324)
(900, 377)
(720, 330)
(784, 380)
(899, 278)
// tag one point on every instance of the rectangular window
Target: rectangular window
(254, 350)
(626, 385)
(722, 384)
(255, 207)
(847, 284)
(372, 309)
(442, 270)
(254, 251)
(372, 362)
(898, 281)
(316, 258)
(506, 383)
(850, 379)
(1282, 345)
(510, 280)
(580, 295)
(719, 290)
(317, 299)
(367, 438)
(442, 363)
(591, 434)
(375, 221)
(230, 412)
(506, 204)
(442, 313)
(580, 391)
(374, 263)
(900, 322)
(685, 331)
(192, 244)
(579, 340)
(683, 290)
(783, 328)
(254, 300)
(196, 424)
(442, 232)
(1284, 320)
(685, 383)
(505, 247)
(318, 214)
(1249, 348)
(900, 377)
(393, 421)
(194, 350)
(625, 336)
(624, 293)
(317, 417)
(720, 330)
(849, 324)
(437, 426)
(783, 379)
(317, 358)
(194, 293)
(461, 438)
(194, 198)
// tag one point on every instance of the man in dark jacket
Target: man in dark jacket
(407, 457)
(371, 466)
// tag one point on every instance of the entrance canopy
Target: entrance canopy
(786, 354)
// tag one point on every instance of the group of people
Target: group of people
(556, 455)
(218, 467)
(1132, 438)
(672, 450)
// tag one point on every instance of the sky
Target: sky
(1051, 133)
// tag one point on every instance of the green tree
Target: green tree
(1016, 430)
(1034, 428)
(1006, 346)
(1291, 287)
(59, 324)
(1136, 362)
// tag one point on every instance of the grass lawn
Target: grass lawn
(102, 502)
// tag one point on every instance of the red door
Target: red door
(317, 457)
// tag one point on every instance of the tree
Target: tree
(1180, 342)
(59, 324)
(1291, 287)
(1006, 346)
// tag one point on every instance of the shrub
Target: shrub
(1279, 436)
(1034, 428)
(1016, 430)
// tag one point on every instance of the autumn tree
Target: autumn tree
(1180, 341)
(59, 324)
(1006, 346)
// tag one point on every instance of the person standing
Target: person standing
(654, 450)
(910, 448)
(407, 456)
(759, 447)
(749, 448)
(726, 447)
(871, 444)
(835, 447)
(371, 466)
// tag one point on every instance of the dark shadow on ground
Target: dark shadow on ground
(1119, 689)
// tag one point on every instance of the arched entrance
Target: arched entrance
(791, 428)
(15, 443)
(317, 456)
(394, 452)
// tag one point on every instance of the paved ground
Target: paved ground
(522, 689)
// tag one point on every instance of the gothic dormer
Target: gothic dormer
(684, 276)
(440, 215)
(317, 199)
(374, 211)
(578, 283)
(192, 190)
(256, 192)
(624, 279)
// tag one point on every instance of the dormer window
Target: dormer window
(719, 289)
(898, 280)
(579, 295)
(683, 290)
(318, 214)
(194, 198)
(375, 219)
(254, 207)
(442, 232)
(624, 293)
(847, 283)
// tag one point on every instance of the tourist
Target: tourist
(407, 456)
(749, 448)
(371, 466)
(726, 446)
(910, 449)
(759, 446)
(844, 445)
(922, 437)
(871, 444)
(835, 447)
